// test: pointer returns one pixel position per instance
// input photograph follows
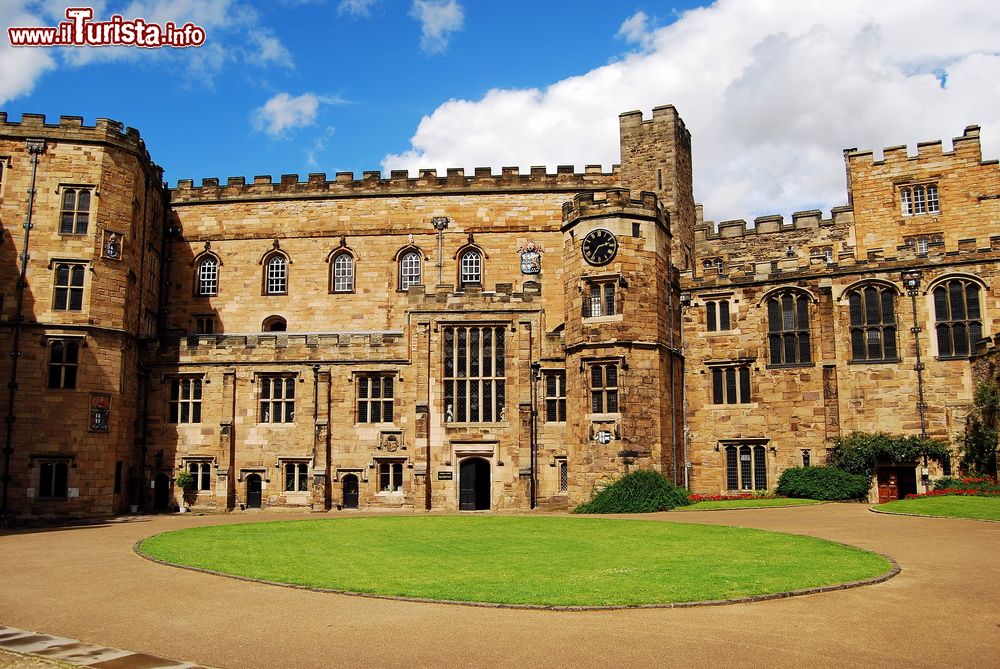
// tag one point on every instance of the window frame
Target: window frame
(463, 281)
(479, 385)
(731, 384)
(62, 365)
(75, 228)
(970, 324)
(781, 332)
(347, 277)
(185, 410)
(562, 475)
(859, 314)
(749, 477)
(919, 199)
(401, 275)
(270, 280)
(366, 381)
(390, 469)
(55, 464)
(298, 469)
(201, 470)
(604, 294)
(65, 301)
(718, 315)
(266, 382)
(201, 282)
(605, 393)
(555, 401)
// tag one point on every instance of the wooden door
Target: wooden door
(254, 490)
(351, 491)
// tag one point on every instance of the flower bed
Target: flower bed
(729, 498)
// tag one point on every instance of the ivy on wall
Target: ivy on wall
(862, 452)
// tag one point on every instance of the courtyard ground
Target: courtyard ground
(942, 610)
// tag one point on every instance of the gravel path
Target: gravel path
(943, 610)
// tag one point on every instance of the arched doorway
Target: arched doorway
(161, 492)
(253, 491)
(474, 485)
(350, 491)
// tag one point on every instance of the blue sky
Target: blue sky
(772, 91)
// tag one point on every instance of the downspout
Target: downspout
(533, 373)
(427, 472)
(35, 148)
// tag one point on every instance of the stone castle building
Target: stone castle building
(485, 341)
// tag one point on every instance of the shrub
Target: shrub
(827, 483)
(861, 452)
(966, 483)
(638, 492)
(184, 480)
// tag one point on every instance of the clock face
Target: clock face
(599, 247)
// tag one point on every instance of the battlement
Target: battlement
(766, 225)
(966, 147)
(633, 119)
(399, 182)
(72, 128)
(601, 202)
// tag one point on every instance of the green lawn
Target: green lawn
(948, 506)
(747, 503)
(520, 560)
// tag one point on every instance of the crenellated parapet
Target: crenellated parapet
(610, 201)
(399, 182)
(810, 220)
(72, 128)
(965, 147)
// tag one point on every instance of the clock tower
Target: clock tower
(616, 269)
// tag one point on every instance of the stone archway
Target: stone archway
(474, 485)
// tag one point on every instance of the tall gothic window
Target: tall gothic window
(276, 275)
(959, 317)
(474, 374)
(873, 324)
(471, 269)
(788, 328)
(208, 276)
(343, 273)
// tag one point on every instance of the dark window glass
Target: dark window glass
(958, 312)
(788, 328)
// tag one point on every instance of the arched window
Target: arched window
(409, 270)
(68, 287)
(922, 199)
(275, 324)
(276, 275)
(959, 317)
(471, 269)
(788, 328)
(343, 273)
(873, 324)
(208, 276)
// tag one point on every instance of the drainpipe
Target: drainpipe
(911, 279)
(427, 473)
(35, 147)
(533, 374)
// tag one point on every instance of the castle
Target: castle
(498, 341)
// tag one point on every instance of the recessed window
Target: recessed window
(409, 270)
(343, 273)
(184, 405)
(919, 199)
(717, 315)
(202, 473)
(873, 324)
(746, 467)
(208, 276)
(69, 287)
(375, 398)
(296, 476)
(731, 384)
(600, 299)
(788, 328)
(716, 264)
(390, 476)
(64, 360)
(204, 325)
(806, 457)
(53, 478)
(471, 269)
(959, 317)
(474, 374)
(604, 387)
(75, 214)
(274, 324)
(555, 397)
(563, 475)
(277, 398)
(276, 275)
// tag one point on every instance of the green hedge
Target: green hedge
(827, 483)
(637, 492)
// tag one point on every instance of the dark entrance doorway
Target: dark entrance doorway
(161, 492)
(474, 485)
(896, 483)
(253, 491)
(350, 491)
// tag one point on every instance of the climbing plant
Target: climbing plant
(978, 449)
(861, 452)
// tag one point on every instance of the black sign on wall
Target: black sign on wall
(445, 476)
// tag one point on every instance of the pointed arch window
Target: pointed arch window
(409, 270)
(343, 273)
(276, 275)
(208, 276)
(471, 268)
(958, 317)
(788, 328)
(873, 324)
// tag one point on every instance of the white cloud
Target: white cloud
(20, 68)
(284, 112)
(266, 48)
(772, 93)
(438, 20)
(355, 7)
(318, 146)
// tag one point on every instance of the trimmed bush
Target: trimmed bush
(637, 492)
(826, 483)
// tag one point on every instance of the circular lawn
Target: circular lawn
(517, 560)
